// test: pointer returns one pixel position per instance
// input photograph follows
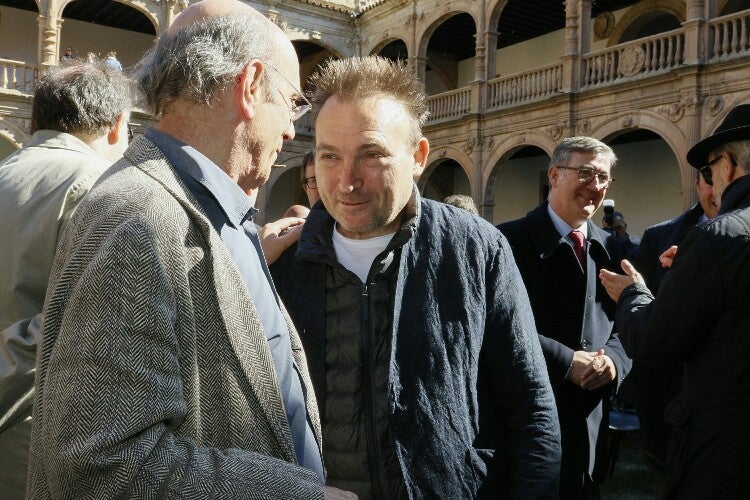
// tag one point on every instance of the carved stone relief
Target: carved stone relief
(604, 23)
(631, 61)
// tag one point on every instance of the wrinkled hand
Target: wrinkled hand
(614, 283)
(600, 372)
(668, 256)
(277, 236)
(581, 360)
(331, 493)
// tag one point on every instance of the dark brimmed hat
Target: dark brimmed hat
(735, 127)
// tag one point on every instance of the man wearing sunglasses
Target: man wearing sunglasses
(651, 388)
(700, 318)
(559, 252)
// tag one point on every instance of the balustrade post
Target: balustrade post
(697, 41)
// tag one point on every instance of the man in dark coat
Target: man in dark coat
(701, 317)
(574, 316)
(651, 388)
(425, 360)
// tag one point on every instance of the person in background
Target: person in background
(422, 347)
(67, 56)
(112, 62)
(79, 123)
(462, 201)
(169, 368)
(559, 252)
(307, 177)
(700, 319)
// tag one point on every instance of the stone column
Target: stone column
(584, 29)
(48, 53)
(490, 58)
(696, 33)
(419, 64)
(570, 58)
(479, 84)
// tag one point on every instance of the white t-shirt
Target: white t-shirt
(358, 255)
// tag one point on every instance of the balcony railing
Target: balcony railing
(730, 36)
(449, 105)
(644, 57)
(528, 86)
(18, 76)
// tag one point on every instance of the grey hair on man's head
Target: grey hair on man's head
(201, 59)
(739, 151)
(80, 98)
(581, 144)
(356, 78)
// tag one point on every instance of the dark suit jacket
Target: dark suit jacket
(657, 239)
(572, 312)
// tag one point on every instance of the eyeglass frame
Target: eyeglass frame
(706, 171)
(596, 175)
(297, 110)
(310, 180)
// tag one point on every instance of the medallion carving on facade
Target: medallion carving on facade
(631, 61)
(715, 104)
(626, 122)
(604, 23)
(584, 126)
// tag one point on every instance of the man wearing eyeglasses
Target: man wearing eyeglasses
(559, 252)
(700, 318)
(169, 367)
(307, 177)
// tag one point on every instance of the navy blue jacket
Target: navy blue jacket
(472, 412)
(657, 239)
(573, 312)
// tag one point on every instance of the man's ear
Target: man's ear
(552, 174)
(420, 156)
(119, 129)
(249, 87)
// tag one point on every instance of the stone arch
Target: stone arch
(641, 10)
(494, 12)
(436, 157)
(387, 41)
(435, 19)
(145, 8)
(671, 179)
(13, 133)
(297, 36)
(505, 149)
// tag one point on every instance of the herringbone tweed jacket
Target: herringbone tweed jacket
(154, 377)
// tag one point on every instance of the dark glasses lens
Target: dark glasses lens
(706, 174)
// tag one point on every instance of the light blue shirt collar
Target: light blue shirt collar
(564, 228)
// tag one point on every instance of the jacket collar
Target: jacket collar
(736, 195)
(547, 240)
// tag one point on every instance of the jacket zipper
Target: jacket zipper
(371, 435)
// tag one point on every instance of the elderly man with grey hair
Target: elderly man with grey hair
(169, 367)
(80, 127)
